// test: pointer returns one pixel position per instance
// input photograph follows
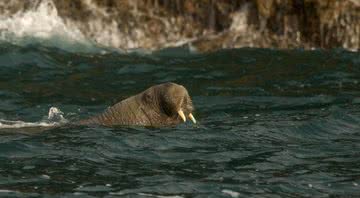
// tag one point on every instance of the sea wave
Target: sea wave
(273, 123)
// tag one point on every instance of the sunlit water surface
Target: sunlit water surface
(271, 124)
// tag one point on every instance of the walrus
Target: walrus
(166, 104)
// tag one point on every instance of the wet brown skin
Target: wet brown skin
(157, 106)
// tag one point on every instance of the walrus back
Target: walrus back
(127, 112)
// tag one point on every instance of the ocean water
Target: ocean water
(271, 123)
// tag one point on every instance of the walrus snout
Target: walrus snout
(176, 99)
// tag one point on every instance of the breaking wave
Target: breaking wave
(42, 24)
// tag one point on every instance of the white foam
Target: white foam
(159, 196)
(45, 176)
(148, 195)
(55, 118)
(231, 193)
(6, 191)
(9, 124)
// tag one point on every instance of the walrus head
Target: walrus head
(170, 101)
(165, 104)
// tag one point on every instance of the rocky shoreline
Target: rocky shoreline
(207, 25)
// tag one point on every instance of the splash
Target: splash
(55, 115)
(42, 24)
(55, 118)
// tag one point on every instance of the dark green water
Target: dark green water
(271, 124)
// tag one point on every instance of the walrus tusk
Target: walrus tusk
(181, 114)
(192, 118)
